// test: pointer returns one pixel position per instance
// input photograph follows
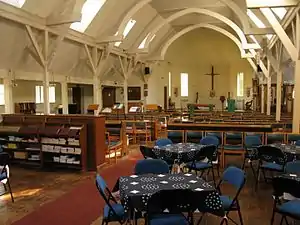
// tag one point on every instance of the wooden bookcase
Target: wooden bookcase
(91, 136)
(45, 146)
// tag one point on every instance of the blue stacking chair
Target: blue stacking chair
(293, 138)
(193, 136)
(165, 199)
(293, 167)
(236, 177)
(4, 176)
(151, 166)
(251, 143)
(163, 142)
(212, 140)
(288, 208)
(176, 136)
(113, 211)
(233, 145)
(209, 152)
(270, 159)
(297, 143)
(272, 138)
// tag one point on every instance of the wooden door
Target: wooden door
(76, 94)
(165, 97)
(109, 96)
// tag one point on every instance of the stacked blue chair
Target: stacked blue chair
(4, 173)
(151, 166)
(252, 142)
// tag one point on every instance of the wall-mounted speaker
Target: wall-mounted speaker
(147, 70)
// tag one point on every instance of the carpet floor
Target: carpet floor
(83, 204)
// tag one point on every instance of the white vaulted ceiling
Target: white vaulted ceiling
(108, 24)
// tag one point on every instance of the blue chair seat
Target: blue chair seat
(118, 209)
(168, 219)
(233, 147)
(198, 165)
(272, 166)
(226, 201)
(291, 208)
(3, 176)
(114, 144)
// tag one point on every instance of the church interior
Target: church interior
(105, 119)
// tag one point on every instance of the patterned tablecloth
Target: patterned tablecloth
(179, 153)
(292, 151)
(135, 190)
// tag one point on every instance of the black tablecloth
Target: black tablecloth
(292, 152)
(135, 191)
(180, 153)
(289, 183)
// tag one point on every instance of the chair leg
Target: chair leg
(257, 178)
(281, 221)
(286, 222)
(199, 221)
(244, 162)
(10, 191)
(253, 170)
(5, 189)
(240, 216)
(213, 175)
(272, 218)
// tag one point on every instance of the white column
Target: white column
(8, 98)
(46, 85)
(262, 107)
(278, 95)
(125, 90)
(296, 107)
(269, 95)
(97, 92)
(64, 97)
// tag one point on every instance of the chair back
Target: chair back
(252, 141)
(151, 166)
(163, 142)
(210, 140)
(271, 154)
(234, 176)
(210, 152)
(147, 152)
(107, 196)
(165, 199)
(297, 143)
(293, 167)
(4, 161)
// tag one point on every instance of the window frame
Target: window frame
(184, 88)
(39, 94)
(240, 85)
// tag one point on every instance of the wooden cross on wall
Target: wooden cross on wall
(212, 74)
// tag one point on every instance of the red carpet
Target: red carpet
(82, 205)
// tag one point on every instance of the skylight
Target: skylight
(88, 12)
(280, 12)
(126, 31)
(143, 43)
(255, 19)
(257, 22)
(16, 3)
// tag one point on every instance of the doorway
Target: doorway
(109, 96)
(165, 97)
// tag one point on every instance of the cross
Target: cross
(212, 74)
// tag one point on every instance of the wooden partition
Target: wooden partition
(94, 136)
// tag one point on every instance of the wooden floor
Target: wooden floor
(33, 189)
